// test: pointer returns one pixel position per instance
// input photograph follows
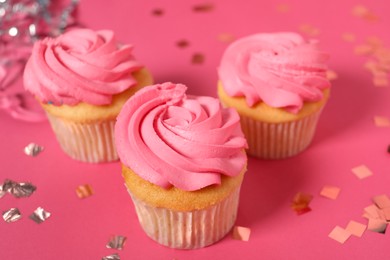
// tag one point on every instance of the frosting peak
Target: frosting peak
(80, 66)
(169, 138)
(281, 69)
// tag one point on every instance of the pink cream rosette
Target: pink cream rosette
(80, 66)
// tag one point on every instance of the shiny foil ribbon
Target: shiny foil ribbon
(33, 149)
(112, 257)
(39, 215)
(11, 215)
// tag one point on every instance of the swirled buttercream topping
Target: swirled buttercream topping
(281, 69)
(169, 138)
(80, 66)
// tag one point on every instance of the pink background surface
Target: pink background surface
(346, 137)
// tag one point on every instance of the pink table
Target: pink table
(346, 137)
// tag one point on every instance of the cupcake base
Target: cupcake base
(188, 229)
(86, 142)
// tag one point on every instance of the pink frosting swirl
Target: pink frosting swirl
(169, 138)
(80, 66)
(281, 69)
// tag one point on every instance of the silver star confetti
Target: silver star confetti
(11, 215)
(112, 257)
(40, 215)
(33, 149)
(116, 242)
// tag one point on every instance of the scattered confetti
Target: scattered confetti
(112, 257)
(11, 215)
(377, 225)
(386, 213)
(364, 13)
(283, 8)
(241, 233)
(330, 192)
(33, 149)
(182, 43)
(356, 228)
(116, 242)
(381, 121)
(301, 203)
(339, 234)
(157, 12)
(2, 191)
(331, 75)
(382, 201)
(84, 191)
(309, 30)
(18, 190)
(348, 37)
(40, 215)
(226, 37)
(197, 58)
(362, 171)
(203, 8)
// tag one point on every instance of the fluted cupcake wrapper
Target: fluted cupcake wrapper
(188, 229)
(279, 140)
(87, 142)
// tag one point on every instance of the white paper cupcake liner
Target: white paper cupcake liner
(91, 143)
(188, 229)
(279, 140)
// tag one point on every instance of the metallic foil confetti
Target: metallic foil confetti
(2, 191)
(18, 190)
(197, 58)
(112, 257)
(201, 8)
(116, 242)
(11, 215)
(39, 215)
(84, 191)
(300, 203)
(182, 43)
(241, 233)
(33, 149)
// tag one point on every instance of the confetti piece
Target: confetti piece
(381, 121)
(226, 37)
(182, 43)
(382, 201)
(309, 29)
(197, 58)
(201, 8)
(2, 191)
(331, 75)
(39, 215)
(283, 8)
(348, 37)
(112, 257)
(33, 149)
(18, 190)
(300, 203)
(363, 49)
(362, 171)
(241, 233)
(377, 225)
(84, 191)
(339, 234)
(11, 215)
(363, 12)
(157, 12)
(386, 214)
(116, 242)
(356, 228)
(372, 212)
(380, 82)
(330, 192)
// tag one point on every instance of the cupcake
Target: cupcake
(82, 79)
(277, 82)
(183, 162)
